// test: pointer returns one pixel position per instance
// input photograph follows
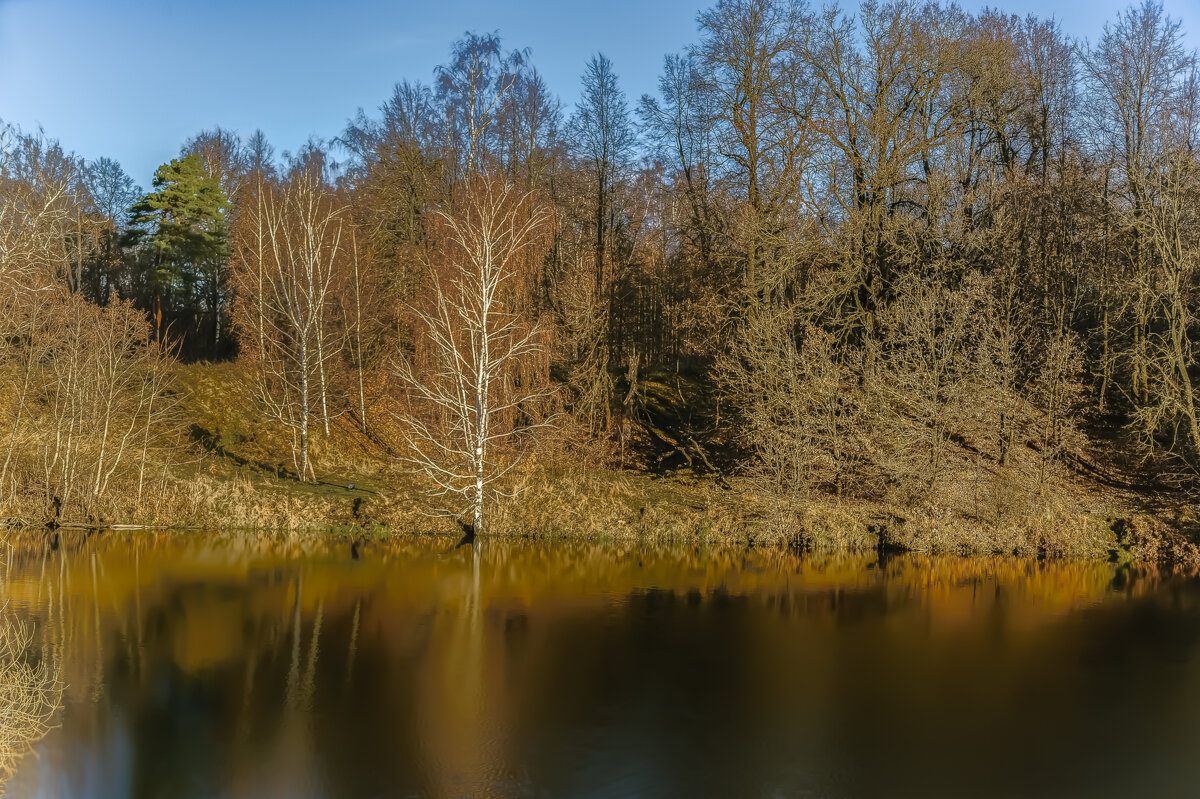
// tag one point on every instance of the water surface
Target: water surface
(233, 666)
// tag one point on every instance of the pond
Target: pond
(242, 666)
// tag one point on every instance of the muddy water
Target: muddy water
(226, 666)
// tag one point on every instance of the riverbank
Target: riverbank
(230, 470)
(604, 505)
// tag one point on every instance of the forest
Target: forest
(888, 275)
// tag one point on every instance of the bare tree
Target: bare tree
(109, 192)
(602, 138)
(883, 107)
(529, 121)
(799, 402)
(920, 379)
(471, 394)
(35, 205)
(287, 263)
(102, 390)
(473, 87)
(1135, 75)
(678, 126)
(748, 54)
(1171, 228)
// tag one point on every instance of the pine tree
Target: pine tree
(180, 233)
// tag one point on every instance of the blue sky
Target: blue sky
(133, 79)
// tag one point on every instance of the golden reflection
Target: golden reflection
(30, 690)
(446, 660)
(117, 574)
(461, 702)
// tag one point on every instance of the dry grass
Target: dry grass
(618, 506)
(235, 476)
(604, 505)
(583, 503)
(1055, 532)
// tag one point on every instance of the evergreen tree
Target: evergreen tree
(179, 235)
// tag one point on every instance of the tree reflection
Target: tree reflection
(462, 704)
(262, 666)
(30, 693)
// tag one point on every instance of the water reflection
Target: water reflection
(234, 666)
(29, 693)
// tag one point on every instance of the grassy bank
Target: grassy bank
(622, 506)
(231, 470)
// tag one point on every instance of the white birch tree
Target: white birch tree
(467, 386)
(289, 271)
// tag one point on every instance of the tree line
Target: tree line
(897, 251)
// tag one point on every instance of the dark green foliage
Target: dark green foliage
(178, 241)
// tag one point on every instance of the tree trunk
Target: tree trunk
(304, 411)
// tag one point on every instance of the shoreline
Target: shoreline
(614, 506)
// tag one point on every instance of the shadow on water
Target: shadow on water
(229, 665)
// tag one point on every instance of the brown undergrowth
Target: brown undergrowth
(234, 473)
(605, 505)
